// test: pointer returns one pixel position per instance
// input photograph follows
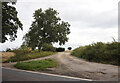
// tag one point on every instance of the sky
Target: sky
(91, 20)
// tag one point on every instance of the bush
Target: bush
(78, 52)
(25, 49)
(99, 52)
(8, 50)
(60, 49)
(48, 47)
(69, 48)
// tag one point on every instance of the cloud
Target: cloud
(90, 20)
(106, 19)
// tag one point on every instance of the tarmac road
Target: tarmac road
(21, 75)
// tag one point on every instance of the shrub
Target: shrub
(25, 49)
(60, 49)
(99, 52)
(78, 52)
(48, 47)
(8, 50)
(69, 48)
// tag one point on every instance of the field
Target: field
(21, 56)
(6, 55)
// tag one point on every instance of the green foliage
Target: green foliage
(99, 52)
(69, 48)
(8, 50)
(78, 52)
(48, 47)
(10, 22)
(21, 56)
(46, 28)
(36, 65)
(25, 49)
(60, 49)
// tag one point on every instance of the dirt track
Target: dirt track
(72, 66)
(69, 65)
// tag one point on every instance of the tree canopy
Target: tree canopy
(47, 27)
(69, 48)
(10, 22)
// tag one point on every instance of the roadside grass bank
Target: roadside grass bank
(36, 65)
(68, 51)
(21, 56)
(6, 55)
(106, 53)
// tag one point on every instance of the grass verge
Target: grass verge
(6, 55)
(36, 65)
(24, 56)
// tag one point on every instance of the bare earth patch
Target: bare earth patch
(72, 66)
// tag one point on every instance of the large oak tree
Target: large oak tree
(47, 27)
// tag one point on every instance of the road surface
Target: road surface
(19, 75)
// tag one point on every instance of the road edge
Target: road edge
(49, 74)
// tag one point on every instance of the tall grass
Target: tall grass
(21, 55)
(107, 53)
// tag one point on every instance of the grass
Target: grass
(36, 65)
(6, 55)
(20, 56)
(69, 51)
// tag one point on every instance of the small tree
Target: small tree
(48, 47)
(69, 48)
(60, 49)
(25, 49)
(8, 50)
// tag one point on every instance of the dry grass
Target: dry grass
(69, 51)
(6, 55)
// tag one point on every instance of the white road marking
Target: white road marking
(49, 74)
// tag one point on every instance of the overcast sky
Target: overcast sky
(90, 20)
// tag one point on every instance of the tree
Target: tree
(47, 28)
(69, 48)
(48, 47)
(60, 49)
(8, 50)
(10, 22)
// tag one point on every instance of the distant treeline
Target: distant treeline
(107, 53)
(45, 47)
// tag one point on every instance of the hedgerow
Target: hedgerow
(107, 53)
